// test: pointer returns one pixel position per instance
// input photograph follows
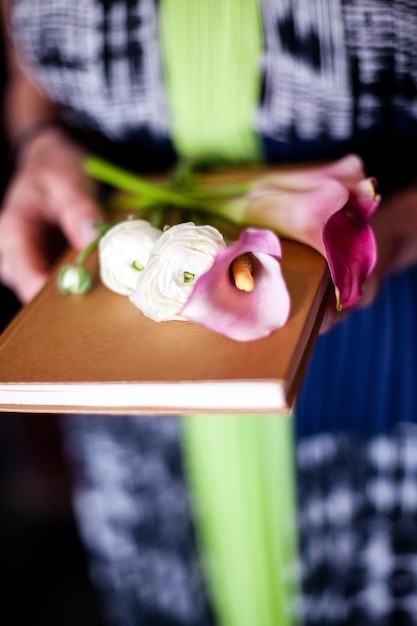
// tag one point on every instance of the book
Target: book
(98, 353)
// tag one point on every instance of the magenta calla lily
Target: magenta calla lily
(327, 207)
(218, 304)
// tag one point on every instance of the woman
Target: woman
(143, 83)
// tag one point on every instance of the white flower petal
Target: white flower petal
(123, 250)
(182, 254)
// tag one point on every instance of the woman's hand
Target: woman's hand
(48, 197)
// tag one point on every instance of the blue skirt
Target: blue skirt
(362, 377)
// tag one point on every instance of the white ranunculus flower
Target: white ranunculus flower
(123, 253)
(181, 255)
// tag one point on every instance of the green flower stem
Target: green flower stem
(201, 210)
(145, 193)
(85, 253)
(121, 179)
(216, 192)
(133, 202)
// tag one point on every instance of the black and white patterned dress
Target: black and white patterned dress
(337, 75)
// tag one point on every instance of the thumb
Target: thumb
(78, 217)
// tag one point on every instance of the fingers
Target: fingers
(77, 215)
(72, 205)
(26, 249)
(50, 193)
(26, 281)
(23, 267)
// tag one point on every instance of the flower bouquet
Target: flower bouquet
(185, 250)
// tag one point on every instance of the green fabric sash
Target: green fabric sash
(240, 467)
(211, 51)
(241, 475)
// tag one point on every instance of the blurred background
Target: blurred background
(43, 567)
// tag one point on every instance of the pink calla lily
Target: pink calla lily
(217, 303)
(327, 207)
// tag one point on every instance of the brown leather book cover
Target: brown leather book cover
(98, 353)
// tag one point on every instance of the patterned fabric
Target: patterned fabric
(332, 77)
(132, 503)
(330, 52)
(338, 75)
(358, 528)
(100, 59)
(357, 472)
(309, 91)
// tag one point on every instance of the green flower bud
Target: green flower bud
(74, 279)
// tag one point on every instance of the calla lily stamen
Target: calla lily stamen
(241, 270)
(337, 294)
